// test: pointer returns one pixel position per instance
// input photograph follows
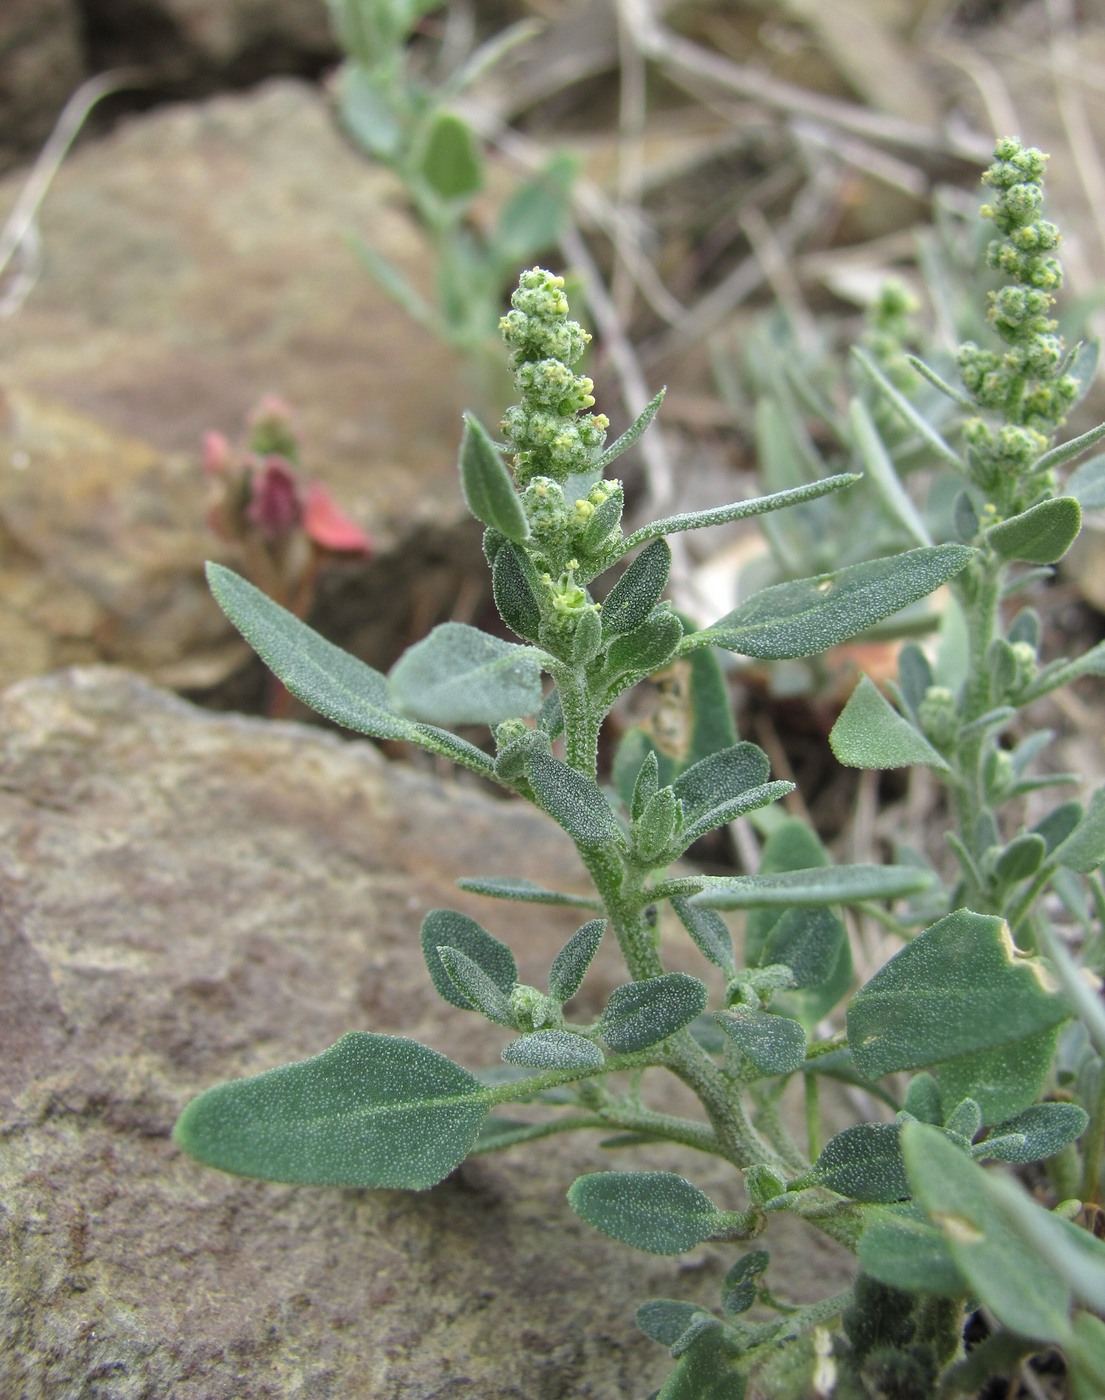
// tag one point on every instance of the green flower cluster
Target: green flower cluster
(1028, 383)
(549, 431)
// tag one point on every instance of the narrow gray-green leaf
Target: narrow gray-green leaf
(486, 483)
(1067, 451)
(570, 965)
(323, 676)
(638, 590)
(654, 1211)
(475, 986)
(741, 510)
(773, 1044)
(509, 887)
(807, 616)
(870, 733)
(739, 1288)
(1040, 535)
(641, 1014)
(373, 1110)
(1034, 1135)
(514, 593)
(831, 884)
(572, 799)
(880, 472)
(452, 929)
(460, 675)
(631, 434)
(916, 420)
(708, 931)
(555, 1050)
(958, 988)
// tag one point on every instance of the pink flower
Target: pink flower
(274, 508)
(328, 527)
(216, 454)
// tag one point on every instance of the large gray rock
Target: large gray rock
(186, 898)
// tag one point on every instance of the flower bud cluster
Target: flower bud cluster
(1026, 383)
(551, 433)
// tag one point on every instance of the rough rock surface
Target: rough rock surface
(184, 898)
(194, 260)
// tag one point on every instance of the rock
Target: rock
(186, 898)
(198, 46)
(195, 259)
(41, 64)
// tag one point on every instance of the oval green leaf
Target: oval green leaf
(655, 1211)
(451, 929)
(373, 1110)
(486, 483)
(460, 675)
(772, 1044)
(641, 1014)
(1040, 535)
(555, 1050)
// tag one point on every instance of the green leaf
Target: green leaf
(834, 884)
(460, 675)
(629, 437)
(965, 1119)
(570, 965)
(655, 1211)
(772, 1044)
(741, 510)
(1003, 1080)
(486, 483)
(880, 472)
(1084, 849)
(451, 929)
(373, 1110)
(1067, 451)
(810, 942)
(664, 1320)
(476, 987)
(709, 933)
(810, 615)
(709, 1370)
(1039, 1132)
(451, 163)
(1040, 535)
(367, 114)
(724, 786)
(916, 420)
(647, 649)
(508, 887)
(513, 592)
(958, 988)
(1021, 858)
(863, 1163)
(900, 1248)
(323, 676)
(532, 217)
(922, 1099)
(637, 592)
(715, 780)
(960, 1198)
(392, 282)
(1087, 484)
(641, 1014)
(870, 733)
(573, 800)
(739, 1289)
(555, 1050)
(1086, 1358)
(712, 727)
(1073, 1254)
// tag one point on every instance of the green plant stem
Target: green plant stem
(1094, 1140)
(813, 1116)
